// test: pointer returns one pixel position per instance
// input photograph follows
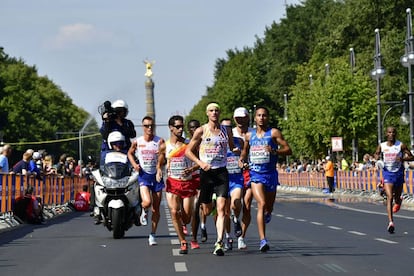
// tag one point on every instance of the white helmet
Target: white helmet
(118, 104)
(380, 164)
(116, 137)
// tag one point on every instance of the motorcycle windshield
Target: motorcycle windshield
(116, 170)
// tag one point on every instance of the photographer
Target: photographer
(114, 119)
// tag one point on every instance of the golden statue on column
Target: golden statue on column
(148, 66)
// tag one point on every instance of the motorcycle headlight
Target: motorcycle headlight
(115, 183)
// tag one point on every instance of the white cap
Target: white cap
(327, 157)
(37, 155)
(241, 112)
(379, 164)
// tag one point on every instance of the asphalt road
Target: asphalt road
(309, 235)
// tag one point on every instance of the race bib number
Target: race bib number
(177, 167)
(233, 165)
(259, 155)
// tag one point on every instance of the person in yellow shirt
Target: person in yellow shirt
(344, 165)
(329, 173)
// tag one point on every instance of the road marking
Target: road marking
(386, 241)
(334, 227)
(175, 241)
(301, 220)
(180, 267)
(289, 218)
(368, 212)
(171, 229)
(357, 233)
(279, 215)
(176, 252)
(316, 223)
(332, 268)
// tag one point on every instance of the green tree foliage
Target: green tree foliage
(336, 104)
(34, 109)
(343, 103)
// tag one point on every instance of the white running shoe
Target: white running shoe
(143, 218)
(151, 240)
(241, 244)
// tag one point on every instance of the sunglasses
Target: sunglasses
(179, 126)
(148, 126)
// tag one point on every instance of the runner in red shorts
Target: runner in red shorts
(180, 187)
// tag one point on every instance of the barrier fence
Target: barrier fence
(350, 180)
(53, 189)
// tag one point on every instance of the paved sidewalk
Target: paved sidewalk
(8, 221)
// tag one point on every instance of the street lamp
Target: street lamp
(1, 137)
(377, 74)
(352, 59)
(285, 117)
(354, 139)
(404, 120)
(407, 60)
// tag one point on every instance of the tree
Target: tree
(34, 109)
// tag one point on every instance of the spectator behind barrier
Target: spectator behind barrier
(28, 208)
(82, 200)
(4, 158)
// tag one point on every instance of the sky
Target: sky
(94, 49)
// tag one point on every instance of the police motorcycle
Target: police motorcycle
(117, 197)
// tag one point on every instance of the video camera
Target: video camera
(107, 109)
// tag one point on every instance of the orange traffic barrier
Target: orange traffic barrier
(345, 180)
(53, 189)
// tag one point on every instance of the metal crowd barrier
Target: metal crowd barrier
(53, 189)
(349, 180)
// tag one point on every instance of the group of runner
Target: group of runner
(219, 170)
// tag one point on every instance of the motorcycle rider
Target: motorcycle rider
(115, 153)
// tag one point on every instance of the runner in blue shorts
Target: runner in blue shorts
(236, 185)
(263, 145)
(147, 156)
(393, 153)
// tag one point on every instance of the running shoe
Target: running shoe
(143, 218)
(151, 240)
(237, 226)
(264, 246)
(183, 248)
(267, 217)
(218, 249)
(203, 234)
(214, 212)
(391, 227)
(241, 244)
(195, 245)
(228, 245)
(185, 231)
(97, 220)
(396, 208)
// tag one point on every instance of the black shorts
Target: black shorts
(213, 181)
